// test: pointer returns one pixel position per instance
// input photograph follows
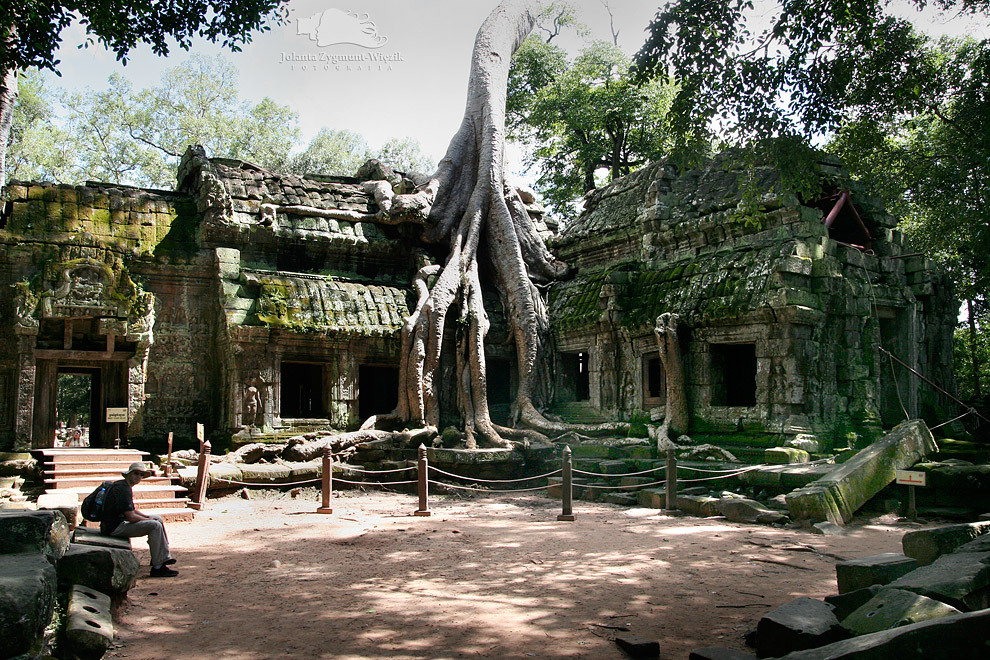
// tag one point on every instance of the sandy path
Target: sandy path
(488, 577)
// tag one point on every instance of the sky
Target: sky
(414, 84)
(410, 77)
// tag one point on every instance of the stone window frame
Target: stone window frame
(701, 357)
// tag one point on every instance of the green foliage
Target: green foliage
(38, 149)
(73, 398)
(332, 152)
(30, 32)
(585, 121)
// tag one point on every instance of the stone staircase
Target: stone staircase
(80, 470)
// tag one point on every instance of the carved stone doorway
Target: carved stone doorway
(108, 388)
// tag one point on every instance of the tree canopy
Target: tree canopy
(584, 120)
(125, 135)
(31, 32)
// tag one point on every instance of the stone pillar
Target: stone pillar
(24, 407)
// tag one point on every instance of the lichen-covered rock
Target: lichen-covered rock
(27, 600)
(785, 455)
(46, 532)
(927, 545)
(801, 624)
(110, 570)
(960, 579)
(854, 574)
(892, 608)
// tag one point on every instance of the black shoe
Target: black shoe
(163, 571)
(169, 561)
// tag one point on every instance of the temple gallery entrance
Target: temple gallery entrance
(73, 394)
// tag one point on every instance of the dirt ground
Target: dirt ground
(492, 576)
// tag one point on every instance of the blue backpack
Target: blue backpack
(92, 506)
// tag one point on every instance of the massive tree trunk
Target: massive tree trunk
(467, 207)
(8, 97)
(676, 418)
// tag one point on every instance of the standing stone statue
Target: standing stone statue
(252, 406)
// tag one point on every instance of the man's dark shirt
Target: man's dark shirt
(119, 498)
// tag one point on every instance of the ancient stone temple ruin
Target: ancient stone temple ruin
(245, 299)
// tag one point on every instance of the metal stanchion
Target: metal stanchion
(422, 469)
(202, 477)
(566, 486)
(327, 482)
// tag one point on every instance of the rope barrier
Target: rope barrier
(349, 468)
(373, 483)
(971, 411)
(486, 490)
(629, 488)
(266, 484)
(624, 474)
(494, 481)
(747, 469)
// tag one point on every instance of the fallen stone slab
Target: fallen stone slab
(837, 496)
(961, 637)
(305, 471)
(262, 473)
(980, 544)
(845, 604)
(110, 570)
(803, 623)
(653, 498)
(927, 545)
(638, 647)
(881, 569)
(90, 536)
(89, 626)
(719, 653)
(960, 580)
(46, 532)
(892, 608)
(27, 600)
(741, 509)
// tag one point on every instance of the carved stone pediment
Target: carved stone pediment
(84, 288)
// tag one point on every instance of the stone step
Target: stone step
(65, 455)
(141, 492)
(94, 480)
(169, 515)
(87, 467)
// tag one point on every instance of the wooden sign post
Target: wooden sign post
(911, 479)
(117, 416)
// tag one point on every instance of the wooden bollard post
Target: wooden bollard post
(327, 482)
(566, 486)
(671, 478)
(168, 461)
(202, 477)
(422, 470)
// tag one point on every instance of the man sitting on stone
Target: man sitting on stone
(121, 519)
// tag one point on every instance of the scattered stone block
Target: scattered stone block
(803, 623)
(109, 570)
(845, 604)
(88, 536)
(892, 608)
(46, 532)
(980, 544)
(693, 490)
(622, 499)
(927, 545)
(89, 629)
(653, 498)
(27, 600)
(960, 579)
(805, 441)
(838, 495)
(740, 509)
(964, 636)
(719, 653)
(702, 506)
(66, 502)
(879, 569)
(785, 455)
(639, 648)
(827, 529)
